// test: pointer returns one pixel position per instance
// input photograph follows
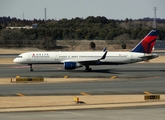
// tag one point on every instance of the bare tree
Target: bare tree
(18, 37)
(72, 43)
(12, 37)
(48, 43)
(122, 40)
(5, 38)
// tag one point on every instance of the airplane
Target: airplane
(72, 60)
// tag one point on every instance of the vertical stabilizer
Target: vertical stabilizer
(147, 43)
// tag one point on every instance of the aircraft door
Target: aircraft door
(56, 58)
(131, 58)
(29, 58)
(134, 58)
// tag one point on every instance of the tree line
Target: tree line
(90, 28)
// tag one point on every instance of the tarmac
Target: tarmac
(51, 103)
(23, 103)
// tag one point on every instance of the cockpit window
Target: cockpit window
(19, 56)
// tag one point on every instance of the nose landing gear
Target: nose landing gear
(31, 67)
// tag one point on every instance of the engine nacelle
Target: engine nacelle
(71, 65)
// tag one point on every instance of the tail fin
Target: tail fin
(105, 49)
(147, 43)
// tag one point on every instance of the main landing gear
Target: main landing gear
(31, 68)
(87, 68)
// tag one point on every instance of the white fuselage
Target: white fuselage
(112, 58)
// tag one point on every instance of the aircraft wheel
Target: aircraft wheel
(89, 69)
(31, 67)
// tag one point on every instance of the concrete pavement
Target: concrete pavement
(48, 103)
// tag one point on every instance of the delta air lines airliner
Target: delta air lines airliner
(72, 60)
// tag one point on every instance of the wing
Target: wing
(86, 61)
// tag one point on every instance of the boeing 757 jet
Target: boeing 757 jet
(72, 60)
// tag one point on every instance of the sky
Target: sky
(59, 9)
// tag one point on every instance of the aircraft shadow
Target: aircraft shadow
(114, 71)
(76, 71)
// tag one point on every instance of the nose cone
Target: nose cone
(15, 60)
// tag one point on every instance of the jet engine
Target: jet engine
(71, 65)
